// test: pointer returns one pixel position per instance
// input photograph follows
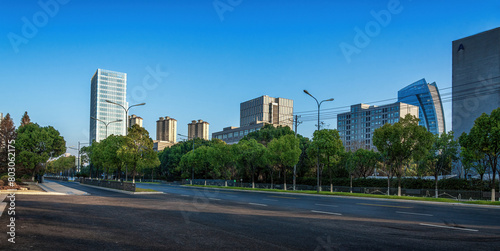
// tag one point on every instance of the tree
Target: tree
(221, 157)
(35, 145)
(137, 150)
(484, 139)
(285, 153)
(62, 165)
(250, 155)
(348, 161)
(330, 148)
(365, 161)
(7, 133)
(269, 132)
(401, 142)
(109, 148)
(25, 119)
(443, 152)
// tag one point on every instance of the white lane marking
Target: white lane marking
(399, 212)
(257, 204)
(321, 212)
(457, 228)
(270, 199)
(213, 199)
(325, 205)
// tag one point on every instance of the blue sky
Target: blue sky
(213, 59)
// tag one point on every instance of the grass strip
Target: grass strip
(478, 202)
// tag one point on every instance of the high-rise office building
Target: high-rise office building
(112, 86)
(166, 129)
(475, 78)
(256, 113)
(357, 126)
(134, 120)
(265, 109)
(426, 96)
(198, 129)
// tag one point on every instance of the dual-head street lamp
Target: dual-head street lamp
(106, 124)
(126, 112)
(317, 161)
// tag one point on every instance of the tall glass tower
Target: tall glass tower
(426, 96)
(107, 85)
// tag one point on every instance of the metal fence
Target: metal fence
(449, 194)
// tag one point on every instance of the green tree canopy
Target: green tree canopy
(484, 138)
(137, 150)
(400, 142)
(284, 152)
(7, 133)
(35, 145)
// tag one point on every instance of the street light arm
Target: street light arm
(306, 92)
(116, 104)
(134, 105)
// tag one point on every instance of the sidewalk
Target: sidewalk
(55, 188)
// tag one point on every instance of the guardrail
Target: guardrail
(126, 186)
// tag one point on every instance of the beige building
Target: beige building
(134, 120)
(255, 114)
(158, 145)
(198, 129)
(357, 126)
(265, 109)
(166, 129)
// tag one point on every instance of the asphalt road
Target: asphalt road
(187, 218)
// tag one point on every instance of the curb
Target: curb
(121, 191)
(354, 197)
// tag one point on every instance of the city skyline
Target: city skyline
(181, 56)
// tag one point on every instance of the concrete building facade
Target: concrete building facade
(198, 129)
(265, 109)
(357, 126)
(107, 85)
(256, 113)
(426, 96)
(166, 129)
(134, 120)
(475, 78)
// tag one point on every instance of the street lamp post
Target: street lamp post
(126, 112)
(106, 124)
(192, 168)
(317, 161)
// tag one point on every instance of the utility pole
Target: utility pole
(297, 123)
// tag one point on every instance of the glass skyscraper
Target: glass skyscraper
(107, 85)
(426, 96)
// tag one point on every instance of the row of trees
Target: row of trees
(268, 155)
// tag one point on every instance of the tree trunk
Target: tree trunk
(388, 185)
(133, 178)
(272, 184)
(284, 178)
(350, 188)
(493, 194)
(205, 182)
(436, 181)
(399, 186)
(253, 177)
(225, 183)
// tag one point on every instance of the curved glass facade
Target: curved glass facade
(426, 96)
